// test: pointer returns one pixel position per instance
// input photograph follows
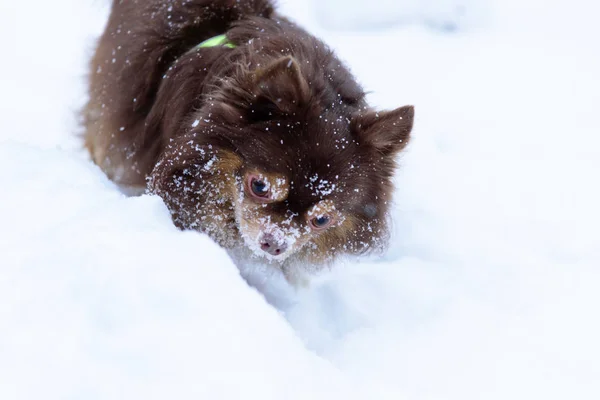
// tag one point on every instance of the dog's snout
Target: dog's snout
(272, 246)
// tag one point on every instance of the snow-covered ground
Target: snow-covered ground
(491, 287)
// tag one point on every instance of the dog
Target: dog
(249, 128)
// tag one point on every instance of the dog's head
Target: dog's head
(294, 155)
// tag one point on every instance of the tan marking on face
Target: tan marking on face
(331, 241)
(216, 212)
(228, 163)
(223, 175)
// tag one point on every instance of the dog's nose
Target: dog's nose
(272, 246)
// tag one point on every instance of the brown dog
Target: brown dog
(260, 138)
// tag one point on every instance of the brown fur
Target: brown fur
(193, 124)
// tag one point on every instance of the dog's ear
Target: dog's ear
(282, 85)
(286, 67)
(387, 131)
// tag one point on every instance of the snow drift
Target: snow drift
(489, 290)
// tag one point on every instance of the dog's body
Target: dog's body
(264, 142)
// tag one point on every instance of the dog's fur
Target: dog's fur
(197, 126)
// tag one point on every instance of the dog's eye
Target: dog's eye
(321, 222)
(259, 188)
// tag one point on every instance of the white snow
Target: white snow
(438, 15)
(489, 291)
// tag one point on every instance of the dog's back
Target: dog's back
(140, 43)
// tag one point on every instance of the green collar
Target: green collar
(216, 41)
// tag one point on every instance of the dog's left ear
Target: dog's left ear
(286, 66)
(387, 131)
(282, 83)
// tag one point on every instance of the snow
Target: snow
(438, 15)
(490, 288)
